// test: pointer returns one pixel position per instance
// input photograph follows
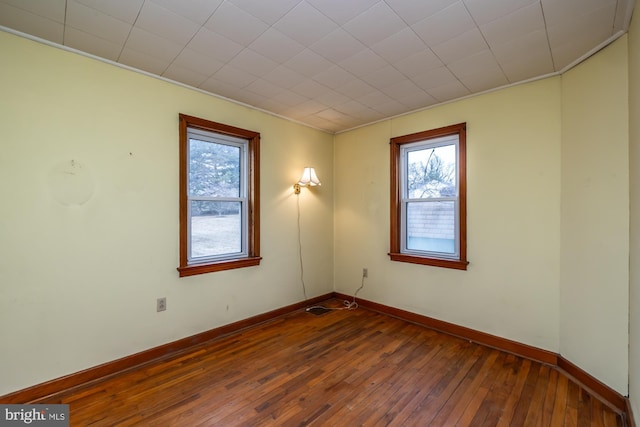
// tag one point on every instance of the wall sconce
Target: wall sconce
(308, 179)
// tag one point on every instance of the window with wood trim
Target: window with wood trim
(428, 198)
(219, 197)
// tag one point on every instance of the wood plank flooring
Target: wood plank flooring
(342, 368)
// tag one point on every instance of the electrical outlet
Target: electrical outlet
(365, 272)
(161, 304)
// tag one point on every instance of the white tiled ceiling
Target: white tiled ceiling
(332, 64)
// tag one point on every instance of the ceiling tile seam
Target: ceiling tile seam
(425, 91)
(426, 47)
(83, 31)
(31, 12)
(64, 24)
(486, 42)
(179, 53)
(320, 12)
(214, 72)
(364, 42)
(342, 27)
(626, 13)
(451, 101)
(130, 30)
(396, 12)
(616, 15)
(342, 69)
(329, 88)
(339, 65)
(89, 34)
(546, 31)
(268, 27)
(185, 44)
(452, 73)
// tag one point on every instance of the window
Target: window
(428, 198)
(219, 197)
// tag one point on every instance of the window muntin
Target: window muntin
(219, 196)
(428, 205)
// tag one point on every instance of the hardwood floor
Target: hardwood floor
(342, 368)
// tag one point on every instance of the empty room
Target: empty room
(320, 212)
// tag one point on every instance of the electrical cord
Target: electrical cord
(352, 305)
(348, 305)
(304, 289)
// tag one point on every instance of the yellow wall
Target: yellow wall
(634, 191)
(513, 180)
(547, 245)
(594, 278)
(548, 193)
(78, 284)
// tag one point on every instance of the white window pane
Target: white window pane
(431, 172)
(431, 227)
(214, 169)
(216, 228)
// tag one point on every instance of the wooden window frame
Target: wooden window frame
(396, 253)
(252, 258)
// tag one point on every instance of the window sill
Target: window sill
(436, 262)
(192, 270)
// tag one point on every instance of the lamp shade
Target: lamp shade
(309, 178)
